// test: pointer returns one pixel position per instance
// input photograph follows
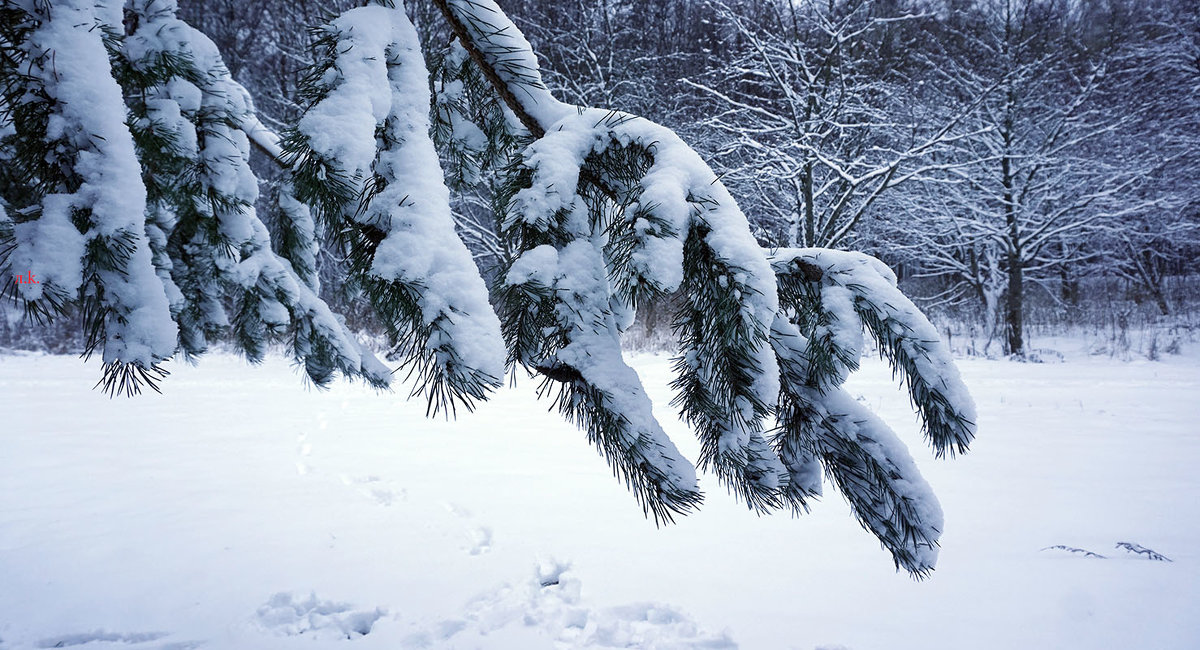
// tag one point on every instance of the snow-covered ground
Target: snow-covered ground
(241, 510)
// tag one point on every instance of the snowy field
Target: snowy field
(241, 510)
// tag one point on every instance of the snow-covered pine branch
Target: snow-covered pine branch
(361, 155)
(607, 210)
(475, 139)
(826, 299)
(161, 280)
(905, 336)
(187, 114)
(655, 219)
(79, 231)
(599, 211)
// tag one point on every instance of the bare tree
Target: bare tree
(1157, 83)
(1038, 187)
(810, 116)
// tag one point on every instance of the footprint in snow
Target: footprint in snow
(552, 602)
(375, 489)
(479, 538)
(456, 510)
(288, 615)
(107, 638)
(303, 450)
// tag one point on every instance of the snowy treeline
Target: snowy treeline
(996, 152)
(993, 150)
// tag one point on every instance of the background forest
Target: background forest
(1027, 167)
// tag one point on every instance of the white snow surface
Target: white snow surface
(240, 510)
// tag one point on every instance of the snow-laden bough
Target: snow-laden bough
(607, 210)
(362, 157)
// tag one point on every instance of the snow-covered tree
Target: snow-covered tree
(596, 47)
(813, 115)
(599, 211)
(1036, 188)
(1159, 232)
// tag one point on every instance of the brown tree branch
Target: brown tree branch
(489, 72)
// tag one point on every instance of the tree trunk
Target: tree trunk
(1014, 307)
(1069, 289)
(1068, 284)
(1160, 299)
(990, 291)
(810, 208)
(1154, 280)
(1014, 311)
